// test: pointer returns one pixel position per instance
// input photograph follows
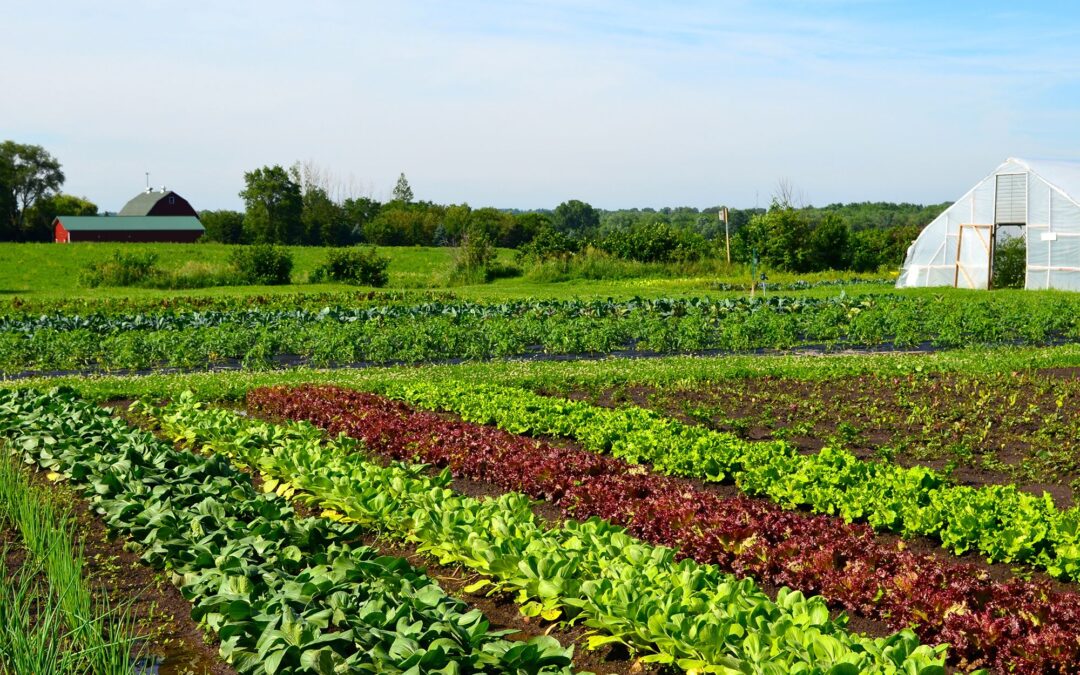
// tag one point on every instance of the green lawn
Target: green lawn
(44, 271)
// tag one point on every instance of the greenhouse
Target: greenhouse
(1036, 200)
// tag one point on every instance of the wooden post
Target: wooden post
(727, 234)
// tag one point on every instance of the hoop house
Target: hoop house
(1038, 200)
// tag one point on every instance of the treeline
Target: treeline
(293, 206)
(301, 205)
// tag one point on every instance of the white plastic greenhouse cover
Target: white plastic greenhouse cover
(955, 248)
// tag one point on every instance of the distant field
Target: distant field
(51, 270)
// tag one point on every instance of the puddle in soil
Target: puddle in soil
(176, 661)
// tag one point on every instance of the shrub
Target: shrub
(655, 242)
(1010, 263)
(475, 263)
(263, 264)
(122, 269)
(353, 266)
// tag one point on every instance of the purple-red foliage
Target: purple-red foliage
(1014, 626)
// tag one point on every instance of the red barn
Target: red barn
(151, 216)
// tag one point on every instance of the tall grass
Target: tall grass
(597, 265)
(50, 621)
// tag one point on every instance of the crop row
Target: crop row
(284, 594)
(19, 308)
(1021, 423)
(1000, 521)
(685, 613)
(1019, 626)
(51, 623)
(101, 322)
(446, 331)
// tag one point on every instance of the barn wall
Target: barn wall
(160, 236)
(179, 207)
(60, 234)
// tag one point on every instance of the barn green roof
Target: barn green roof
(140, 204)
(135, 223)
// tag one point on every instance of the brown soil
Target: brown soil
(162, 615)
(1031, 421)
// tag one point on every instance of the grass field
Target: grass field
(42, 271)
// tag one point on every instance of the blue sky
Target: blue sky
(527, 104)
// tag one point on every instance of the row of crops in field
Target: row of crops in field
(411, 333)
(282, 593)
(1014, 624)
(534, 516)
(999, 521)
(291, 594)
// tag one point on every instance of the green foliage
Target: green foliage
(353, 266)
(575, 219)
(359, 212)
(123, 269)
(548, 243)
(262, 264)
(141, 270)
(632, 593)
(57, 625)
(224, 226)
(1010, 263)
(1000, 521)
(284, 594)
(27, 174)
(403, 224)
(324, 221)
(474, 258)
(779, 238)
(38, 225)
(402, 192)
(274, 206)
(655, 242)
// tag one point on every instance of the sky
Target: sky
(527, 104)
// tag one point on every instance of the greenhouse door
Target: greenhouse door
(974, 250)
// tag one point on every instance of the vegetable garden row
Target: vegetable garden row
(282, 593)
(684, 613)
(688, 553)
(999, 521)
(449, 330)
(1016, 625)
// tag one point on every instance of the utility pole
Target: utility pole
(727, 234)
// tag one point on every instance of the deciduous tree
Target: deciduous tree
(274, 206)
(27, 173)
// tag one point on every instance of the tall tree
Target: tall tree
(274, 206)
(402, 191)
(575, 218)
(325, 222)
(27, 173)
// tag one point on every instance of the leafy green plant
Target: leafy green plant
(122, 269)
(284, 594)
(1000, 521)
(262, 264)
(353, 266)
(683, 613)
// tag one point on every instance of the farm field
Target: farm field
(841, 479)
(42, 272)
